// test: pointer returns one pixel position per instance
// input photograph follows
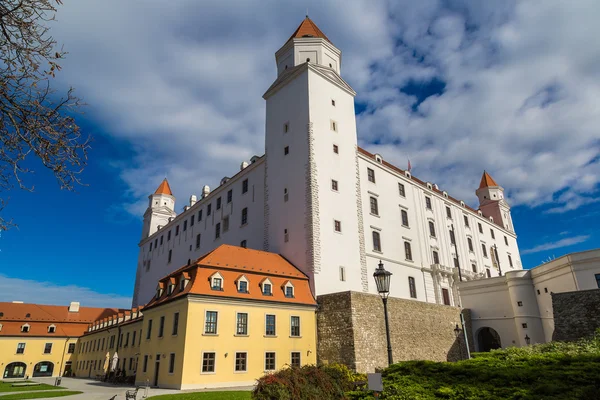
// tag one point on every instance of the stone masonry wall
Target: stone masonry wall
(351, 330)
(575, 314)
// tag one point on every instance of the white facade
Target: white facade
(519, 304)
(309, 199)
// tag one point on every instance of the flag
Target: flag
(409, 166)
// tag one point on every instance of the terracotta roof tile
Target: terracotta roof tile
(487, 180)
(308, 28)
(164, 188)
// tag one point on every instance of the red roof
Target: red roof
(308, 29)
(486, 181)
(164, 188)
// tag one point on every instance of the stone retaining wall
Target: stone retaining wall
(576, 314)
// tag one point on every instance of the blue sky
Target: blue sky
(175, 90)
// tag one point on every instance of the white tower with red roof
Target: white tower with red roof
(160, 211)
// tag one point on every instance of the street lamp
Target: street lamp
(382, 280)
(527, 339)
(457, 331)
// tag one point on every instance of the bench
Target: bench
(20, 384)
(131, 394)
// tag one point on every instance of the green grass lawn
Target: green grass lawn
(204, 396)
(38, 395)
(7, 387)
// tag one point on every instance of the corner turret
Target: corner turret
(161, 209)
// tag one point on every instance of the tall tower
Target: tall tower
(311, 196)
(492, 202)
(161, 208)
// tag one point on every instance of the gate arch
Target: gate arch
(488, 339)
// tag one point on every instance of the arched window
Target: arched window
(44, 368)
(25, 328)
(15, 370)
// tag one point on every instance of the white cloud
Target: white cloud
(556, 245)
(31, 291)
(182, 82)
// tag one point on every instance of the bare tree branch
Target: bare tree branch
(34, 120)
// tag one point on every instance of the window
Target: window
(286, 150)
(177, 230)
(371, 175)
(332, 100)
(200, 215)
(334, 185)
(480, 227)
(208, 362)
(161, 239)
(295, 326)
(448, 212)
(243, 244)
(510, 261)
(226, 224)
(401, 190)
(168, 236)
(545, 290)
(150, 247)
(520, 303)
(285, 195)
(210, 326)
(289, 291)
(538, 292)
(71, 348)
(270, 325)
(483, 249)
(171, 363)
(51, 329)
(20, 348)
(446, 296)
(185, 225)
(112, 339)
(524, 326)
(198, 236)
(334, 126)
(505, 241)
(266, 288)
(269, 361)
(25, 328)
(295, 359)
(243, 287)
(456, 264)
(431, 229)
(126, 340)
(452, 237)
(407, 251)
(474, 267)
(48, 348)
(170, 256)
(217, 284)
(488, 272)
(132, 341)
(428, 202)
(148, 334)
(492, 233)
(242, 324)
(436, 257)
(229, 195)
(470, 243)
(161, 326)
(336, 149)
(244, 186)
(286, 127)
(241, 360)
(337, 225)
(244, 215)
(597, 276)
(376, 241)
(343, 274)
(404, 217)
(219, 203)
(208, 209)
(286, 237)
(412, 287)
(374, 206)
(218, 230)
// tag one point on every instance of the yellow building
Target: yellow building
(40, 340)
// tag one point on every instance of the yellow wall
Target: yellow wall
(34, 352)
(225, 343)
(89, 360)
(164, 345)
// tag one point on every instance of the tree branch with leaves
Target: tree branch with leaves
(35, 122)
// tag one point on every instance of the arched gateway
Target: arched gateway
(488, 339)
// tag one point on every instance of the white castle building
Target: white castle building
(330, 207)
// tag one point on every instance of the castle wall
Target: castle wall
(576, 314)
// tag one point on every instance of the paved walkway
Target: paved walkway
(96, 390)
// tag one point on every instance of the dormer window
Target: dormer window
(0, 327)
(159, 291)
(242, 284)
(171, 288)
(288, 290)
(216, 281)
(267, 288)
(182, 284)
(25, 328)
(52, 329)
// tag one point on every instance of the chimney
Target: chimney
(193, 200)
(17, 302)
(205, 191)
(74, 307)
(244, 165)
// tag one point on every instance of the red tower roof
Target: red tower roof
(487, 180)
(308, 29)
(164, 188)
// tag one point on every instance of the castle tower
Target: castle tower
(161, 208)
(312, 192)
(492, 202)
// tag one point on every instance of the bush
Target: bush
(326, 382)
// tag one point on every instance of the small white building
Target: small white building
(507, 309)
(331, 208)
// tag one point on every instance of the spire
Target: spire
(164, 188)
(487, 180)
(308, 29)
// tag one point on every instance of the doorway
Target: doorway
(156, 369)
(488, 339)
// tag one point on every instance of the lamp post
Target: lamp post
(527, 339)
(382, 280)
(462, 317)
(457, 332)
